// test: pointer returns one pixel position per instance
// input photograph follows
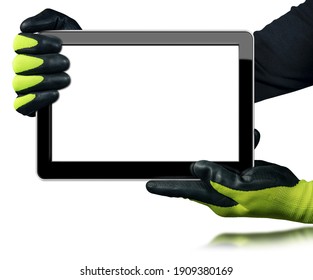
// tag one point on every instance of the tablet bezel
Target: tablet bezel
(49, 169)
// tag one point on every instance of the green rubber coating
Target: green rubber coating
(23, 100)
(22, 63)
(23, 42)
(24, 82)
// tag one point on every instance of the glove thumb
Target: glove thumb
(49, 20)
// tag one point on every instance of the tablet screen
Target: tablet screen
(149, 103)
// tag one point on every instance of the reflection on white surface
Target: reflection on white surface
(148, 103)
(271, 238)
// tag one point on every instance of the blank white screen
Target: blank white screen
(148, 103)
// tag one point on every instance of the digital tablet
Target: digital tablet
(146, 105)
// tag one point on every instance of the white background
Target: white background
(52, 229)
(147, 103)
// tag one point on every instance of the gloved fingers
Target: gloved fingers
(29, 103)
(267, 175)
(40, 64)
(49, 20)
(258, 163)
(209, 171)
(33, 83)
(264, 175)
(257, 137)
(228, 183)
(28, 43)
(195, 190)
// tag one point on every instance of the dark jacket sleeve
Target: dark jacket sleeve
(284, 53)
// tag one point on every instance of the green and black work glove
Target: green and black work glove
(266, 190)
(38, 65)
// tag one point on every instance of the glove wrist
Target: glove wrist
(299, 203)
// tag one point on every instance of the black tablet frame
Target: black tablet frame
(48, 169)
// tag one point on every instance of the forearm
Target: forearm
(283, 53)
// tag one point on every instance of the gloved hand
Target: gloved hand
(38, 65)
(199, 191)
(266, 190)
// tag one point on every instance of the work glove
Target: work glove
(38, 65)
(266, 190)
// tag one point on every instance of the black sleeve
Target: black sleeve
(284, 53)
